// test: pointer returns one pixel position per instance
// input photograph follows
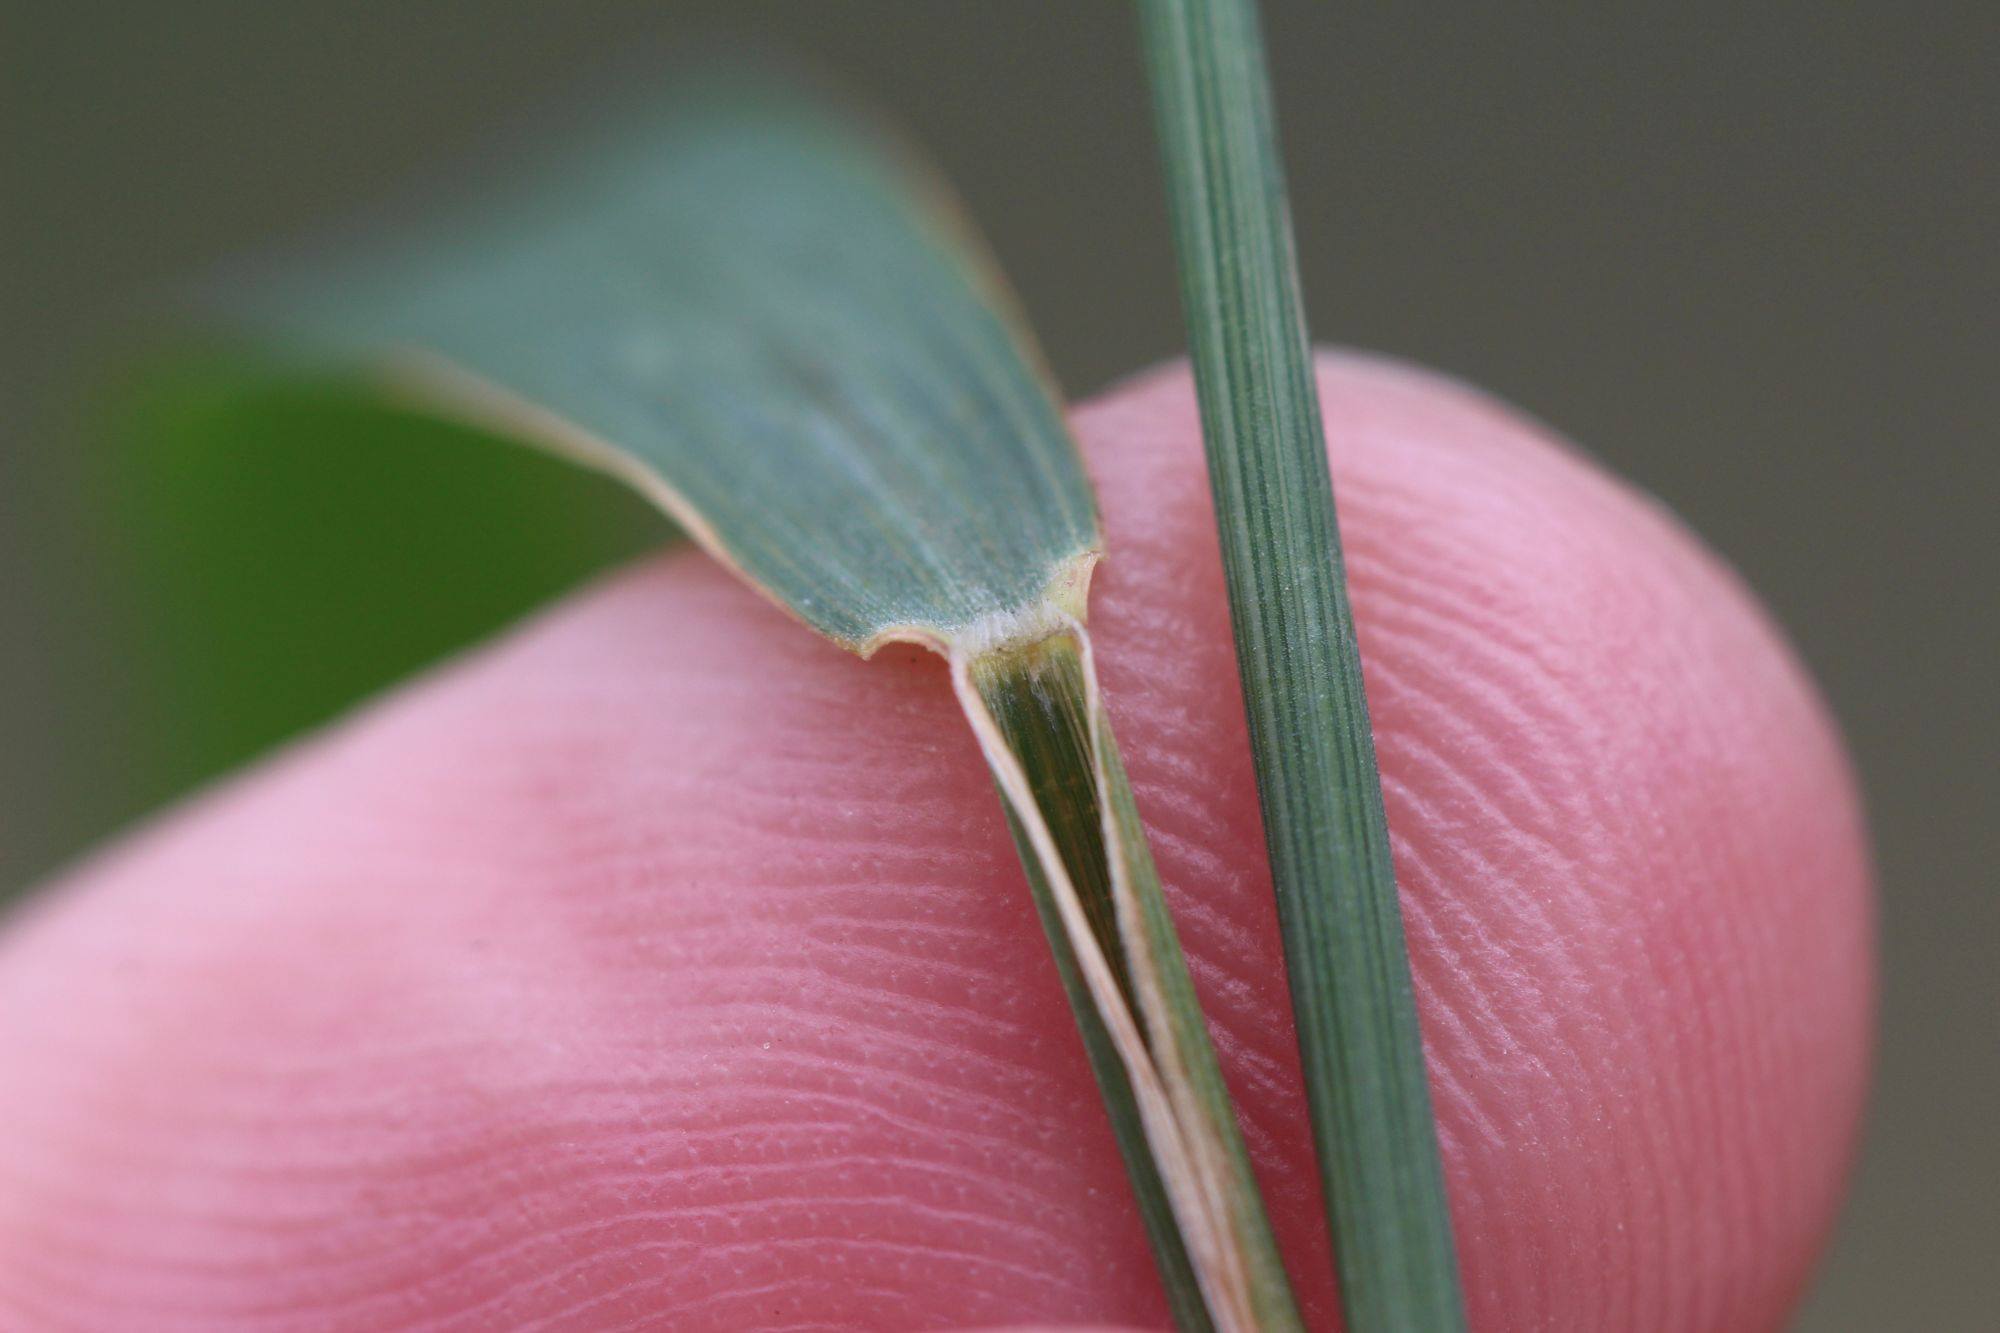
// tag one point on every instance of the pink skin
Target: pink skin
(661, 959)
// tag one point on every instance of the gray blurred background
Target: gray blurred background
(1742, 253)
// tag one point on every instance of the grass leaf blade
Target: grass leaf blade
(1360, 1043)
(765, 324)
(754, 312)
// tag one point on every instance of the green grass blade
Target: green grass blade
(768, 326)
(1315, 757)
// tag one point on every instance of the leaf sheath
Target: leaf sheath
(1040, 720)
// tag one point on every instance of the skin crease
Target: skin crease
(660, 965)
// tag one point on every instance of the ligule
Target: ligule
(1040, 720)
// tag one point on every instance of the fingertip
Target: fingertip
(662, 952)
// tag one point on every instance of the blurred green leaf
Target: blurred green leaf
(290, 546)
